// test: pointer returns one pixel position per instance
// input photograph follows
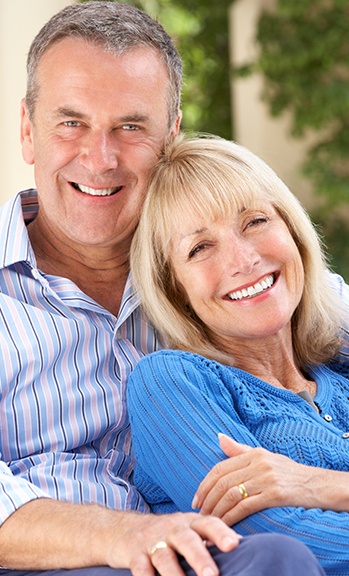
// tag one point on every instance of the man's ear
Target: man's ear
(26, 135)
(176, 124)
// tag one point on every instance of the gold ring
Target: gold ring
(242, 490)
(158, 546)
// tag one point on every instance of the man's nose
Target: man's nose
(99, 152)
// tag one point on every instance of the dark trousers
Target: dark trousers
(259, 555)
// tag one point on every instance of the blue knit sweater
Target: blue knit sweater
(179, 402)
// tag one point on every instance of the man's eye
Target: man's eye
(72, 123)
(130, 127)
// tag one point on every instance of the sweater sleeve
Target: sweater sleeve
(177, 407)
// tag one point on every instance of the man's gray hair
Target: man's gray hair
(114, 26)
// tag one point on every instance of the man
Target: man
(103, 95)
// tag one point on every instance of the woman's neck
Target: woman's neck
(273, 360)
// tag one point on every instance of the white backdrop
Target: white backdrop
(20, 20)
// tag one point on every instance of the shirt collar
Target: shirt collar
(14, 217)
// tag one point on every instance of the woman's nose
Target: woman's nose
(240, 256)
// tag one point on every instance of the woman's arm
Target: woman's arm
(176, 414)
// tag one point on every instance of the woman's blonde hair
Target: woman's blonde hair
(214, 177)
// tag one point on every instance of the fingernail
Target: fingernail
(229, 542)
(208, 571)
(195, 502)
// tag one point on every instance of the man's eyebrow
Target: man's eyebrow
(69, 113)
(134, 118)
(64, 112)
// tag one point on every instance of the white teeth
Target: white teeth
(251, 291)
(94, 192)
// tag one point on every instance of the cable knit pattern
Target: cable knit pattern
(179, 402)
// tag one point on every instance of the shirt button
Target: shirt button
(35, 273)
(328, 418)
(345, 435)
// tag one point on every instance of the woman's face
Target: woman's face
(243, 275)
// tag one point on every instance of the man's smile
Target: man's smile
(96, 191)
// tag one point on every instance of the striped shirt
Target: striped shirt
(64, 364)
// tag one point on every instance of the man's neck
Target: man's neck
(99, 273)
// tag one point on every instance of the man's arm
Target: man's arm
(48, 534)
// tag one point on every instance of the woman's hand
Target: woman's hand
(269, 480)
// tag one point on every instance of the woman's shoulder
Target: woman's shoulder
(161, 358)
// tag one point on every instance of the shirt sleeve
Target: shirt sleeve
(15, 492)
(342, 289)
(177, 408)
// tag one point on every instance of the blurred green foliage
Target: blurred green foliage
(305, 62)
(304, 58)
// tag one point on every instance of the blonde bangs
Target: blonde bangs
(204, 183)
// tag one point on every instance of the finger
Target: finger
(190, 542)
(226, 503)
(214, 478)
(245, 508)
(232, 448)
(223, 491)
(165, 561)
(216, 532)
(142, 566)
(236, 465)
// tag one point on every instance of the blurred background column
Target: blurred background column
(20, 20)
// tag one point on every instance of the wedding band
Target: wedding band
(242, 490)
(158, 546)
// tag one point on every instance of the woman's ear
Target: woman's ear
(26, 135)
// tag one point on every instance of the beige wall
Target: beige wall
(268, 137)
(20, 20)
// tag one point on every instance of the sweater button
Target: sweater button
(327, 417)
(345, 435)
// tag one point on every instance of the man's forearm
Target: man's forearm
(48, 534)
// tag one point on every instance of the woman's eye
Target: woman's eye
(257, 221)
(196, 250)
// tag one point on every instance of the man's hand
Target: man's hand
(75, 536)
(185, 534)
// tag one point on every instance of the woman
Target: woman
(230, 269)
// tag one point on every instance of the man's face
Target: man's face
(99, 123)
